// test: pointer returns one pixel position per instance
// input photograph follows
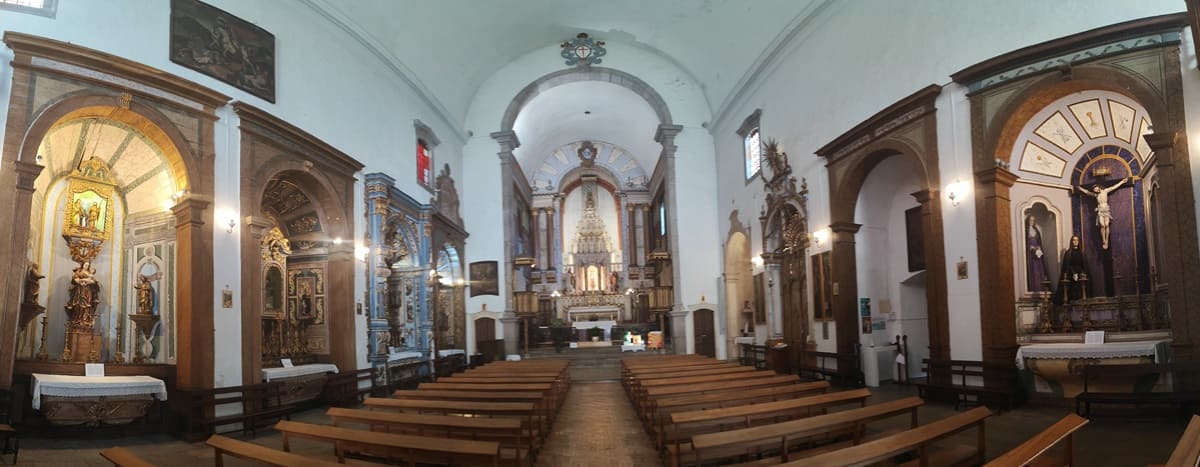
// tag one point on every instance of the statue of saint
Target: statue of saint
(447, 195)
(1074, 273)
(1035, 258)
(33, 284)
(145, 296)
(1103, 210)
(84, 296)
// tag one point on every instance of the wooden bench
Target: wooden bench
(410, 448)
(917, 439)
(257, 405)
(648, 402)
(643, 387)
(843, 369)
(1032, 449)
(506, 431)
(1187, 452)
(780, 439)
(122, 457)
(1141, 379)
(347, 388)
(676, 437)
(989, 384)
(231, 447)
(634, 384)
(536, 424)
(541, 403)
(669, 405)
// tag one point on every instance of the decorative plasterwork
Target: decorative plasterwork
(1058, 135)
(1080, 48)
(583, 51)
(629, 175)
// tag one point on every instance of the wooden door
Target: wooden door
(702, 324)
(485, 338)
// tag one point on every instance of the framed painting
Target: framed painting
(915, 239)
(822, 282)
(484, 278)
(218, 44)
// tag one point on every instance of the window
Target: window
(752, 151)
(36, 7)
(426, 142)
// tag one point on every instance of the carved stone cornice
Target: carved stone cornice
(844, 228)
(27, 174)
(270, 127)
(507, 139)
(64, 52)
(190, 210)
(998, 175)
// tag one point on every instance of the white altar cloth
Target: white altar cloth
(633, 347)
(397, 356)
(298, 370)
(449, 352)
(91, 386)
(1157, 349)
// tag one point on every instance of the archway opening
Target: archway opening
(739, 292)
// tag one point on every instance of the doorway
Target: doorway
(702, 324)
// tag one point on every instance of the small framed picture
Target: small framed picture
(962, 270)
(226, 298)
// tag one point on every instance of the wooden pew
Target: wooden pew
(412, 449)
(1030, 450)
(122, 457)
(676, 437)
(548, 388)
(782, 437)
(261, 454)
(648, 403)
(916, 439)
(1187, 452)
(524, 411)
(541, 403)
(643, 388)
(506, 431)
(632, 385)
(669, 405)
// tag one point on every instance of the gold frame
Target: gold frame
(93, 175)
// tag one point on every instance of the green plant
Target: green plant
(595, 332)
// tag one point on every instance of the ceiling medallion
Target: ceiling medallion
(587, 154)
(583, 51)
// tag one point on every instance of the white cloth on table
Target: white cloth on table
(449, 352)
(92, 386)
(633, 347)
(298, 370)
(397, 356)
(1157, 349)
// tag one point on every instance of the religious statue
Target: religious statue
(1103, 210)
(145, 296)
(1035, 258)
(33, 278)
(1074, 273)
(447, 195)
(84, 296)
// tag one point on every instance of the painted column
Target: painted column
(193, 232)
(844, 301)
(640, 234)
(508, 142)
(424, 284)
(252, 309)
(378, 187)
(556, 253)
(997, 300)
(623, 212)
(935, 272)
(1176, 224)
(21, 176)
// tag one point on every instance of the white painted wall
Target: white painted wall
(833, 75)
(327, 84)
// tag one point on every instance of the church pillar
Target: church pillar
(13, 260)
(844, 302)
(508, 142)
(679, 332)
(194, 365)
(623, 231)
(666, 137)
(339, 309)
(252, 302)
(378, 188)
(1177, 225)
(935, 274)
(997, 300)
(640, 234)
(556, 253)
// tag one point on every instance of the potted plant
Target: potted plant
(595, 333)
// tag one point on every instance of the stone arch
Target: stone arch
(906, 129)
(573, 75)
(739, 284)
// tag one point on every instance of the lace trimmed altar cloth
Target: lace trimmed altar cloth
(1157, 349)
(397, 356)
(298, 370)
(449, 352)
(92, 386)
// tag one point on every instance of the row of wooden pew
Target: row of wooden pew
(701, 411)
(493, 415)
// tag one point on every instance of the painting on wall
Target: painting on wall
(915, 239)
(211, 41)
(484, 278)
(822, 282)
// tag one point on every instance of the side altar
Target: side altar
(593, 307)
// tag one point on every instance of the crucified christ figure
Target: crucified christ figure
(1103, 211)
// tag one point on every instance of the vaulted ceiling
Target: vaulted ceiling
(452, 46)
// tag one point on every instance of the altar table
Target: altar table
(92, 386)
(1055, 366)
(1157, 349)
(298, 370)
(449, 352)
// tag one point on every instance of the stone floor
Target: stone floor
(597, 427)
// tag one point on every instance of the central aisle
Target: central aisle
(597, 427)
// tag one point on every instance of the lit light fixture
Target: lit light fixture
(956, 192)
(820, 237)
(337, 241)
(167, 205)
(629, 291)
(232, 224)
(757, 261)
(555, 294)
(228, 218)
(361, 252)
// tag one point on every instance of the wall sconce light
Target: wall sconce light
(555, 294)
(337, 240)
(757, 261)
(361, 252)
(228, 218)
(820, 237)
(956, 192)
(629, 291)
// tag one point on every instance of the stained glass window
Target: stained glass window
(424, 164)
(753, 153)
